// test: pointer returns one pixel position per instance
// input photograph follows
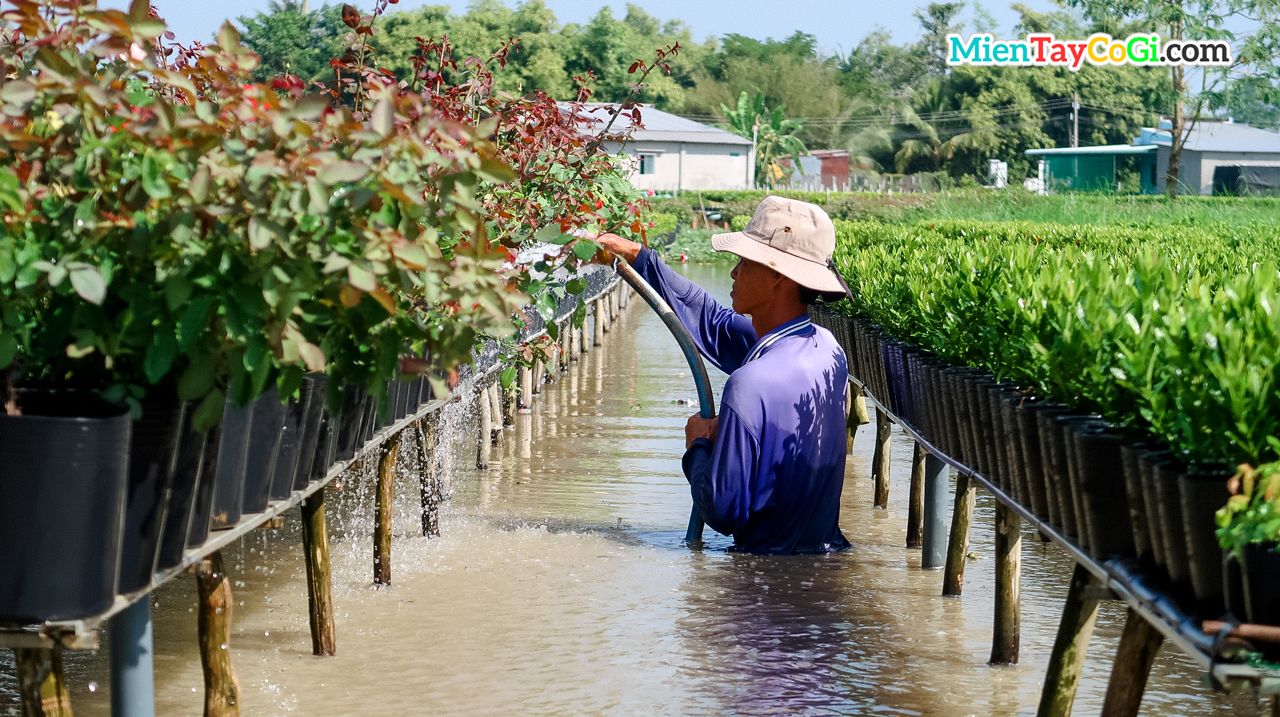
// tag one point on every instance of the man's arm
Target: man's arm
(722, 474)
(722, 336)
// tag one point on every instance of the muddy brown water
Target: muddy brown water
(560, 586)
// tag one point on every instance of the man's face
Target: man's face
(754, 286)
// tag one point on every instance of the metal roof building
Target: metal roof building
(1212, 147)
(673, 154)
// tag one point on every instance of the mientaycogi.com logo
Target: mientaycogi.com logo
(1100, 49)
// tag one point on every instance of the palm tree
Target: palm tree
(774, 136)
(932, 101)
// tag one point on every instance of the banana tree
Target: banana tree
(774, 135)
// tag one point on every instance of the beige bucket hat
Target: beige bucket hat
(794, 238)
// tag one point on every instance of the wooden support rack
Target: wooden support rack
(1111, 579)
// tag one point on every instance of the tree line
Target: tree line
(895, 106)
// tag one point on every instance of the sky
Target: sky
(838, 24)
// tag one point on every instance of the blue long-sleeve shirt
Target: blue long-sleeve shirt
(773, 476)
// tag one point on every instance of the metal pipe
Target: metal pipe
(706, 401)
(132, 675)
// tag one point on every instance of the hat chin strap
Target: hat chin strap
(831, 264)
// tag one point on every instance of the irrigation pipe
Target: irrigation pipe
(706, 401)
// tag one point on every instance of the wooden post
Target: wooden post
(880, 461)
(526, 387)
(427, 481)
(1007, 633)
(1139, 644)
(221, 688)
(958, 546)
(598, 313)
(42, 683)
(1063, 674)
(539, 375)
(315, 549)
(513, 405)
(915, 503)
(857, 417)
(583, 346)
(382, 512)
(486, 429)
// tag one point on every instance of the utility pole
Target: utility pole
(1075, 119)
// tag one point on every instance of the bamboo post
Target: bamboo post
(583, 346)
(513, 406)
(1007, 633)
(494, 396)
(526, 387)
(958, 546)
(382, 513)
(880, 461)
(600, 320)
(315, 549)
(934, 554)
(42, 683)
(539, 373)
(571, 354)
(221, 688)
(1139, 644)
(486, 429)
(427, 481)
(1063, 674)
(915, 503)
(614, 304)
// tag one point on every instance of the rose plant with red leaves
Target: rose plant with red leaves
(170, 225)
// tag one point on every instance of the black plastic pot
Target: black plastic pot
(264, 449)
(1169, 499)
(930, 402)
(982, 435)
(1023, 410)
(1001, 462)
(1233, 587)
(1103, 487)
(153, 448)
(1147, 462)
(326, 447)
(1053, 460)
(228, 477)
(186, 489)
(293, 438)
(1203, 490)
(1129, 457)
(1262, 583)
(350, 422)
(202, 507)
(62, 500)
(1069, 427)
(311, 432)
(950, 412)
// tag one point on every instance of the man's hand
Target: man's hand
(618, 246)
(699, 427)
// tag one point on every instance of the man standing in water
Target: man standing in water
(769, 469)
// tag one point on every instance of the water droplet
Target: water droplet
(93, 686)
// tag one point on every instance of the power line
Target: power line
(947, 115)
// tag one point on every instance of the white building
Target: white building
(1211, 145)
(673, 154)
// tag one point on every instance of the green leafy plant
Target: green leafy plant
(1252, 514)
